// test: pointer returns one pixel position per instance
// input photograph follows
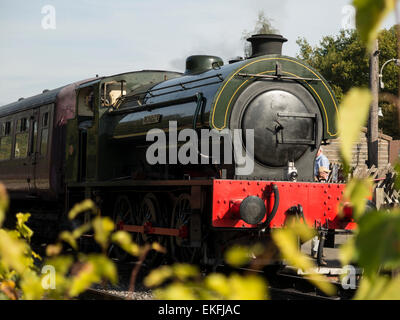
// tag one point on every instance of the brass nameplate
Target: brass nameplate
(154, 118)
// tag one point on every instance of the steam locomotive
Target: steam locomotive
(90, 139)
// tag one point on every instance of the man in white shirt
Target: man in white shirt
(321, 167)
(321, 173)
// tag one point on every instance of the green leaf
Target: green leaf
(68, 237)
(287, 242)
(158, 247)
(13, 252)
(180, 271)
(303, 231)
(380, 288)
(218, 283)
(23, 229)
(78, 232)
(86, 205)
(237, 256)
(94, 270)
(248, 287)
(158, 276)
(31, 286)
(378, 241)
(183, 271)
(353, 114)
(84, 279)
(103, 226)
(105, 267)
(124, 240)
(348, 252)
(176, 291)
(357, 193)
(35, 255)
(62, 266)
(397, 181)
(370, 15)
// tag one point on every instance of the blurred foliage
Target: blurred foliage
(287, 239)
(369, 16)
(375, 247)
(20, 277)
(397, 181)
(356, 194)
(354, 107)
(344, 61)
(382, 288)
(238, 256)
(184, 282)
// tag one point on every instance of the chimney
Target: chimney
(262, 44)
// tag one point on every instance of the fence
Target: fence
(384, 193)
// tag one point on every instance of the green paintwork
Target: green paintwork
(108, 156)
(233, 85)
(101, 156)
(112, 157)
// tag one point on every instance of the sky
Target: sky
(46, 44)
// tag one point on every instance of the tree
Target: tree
(344, 62)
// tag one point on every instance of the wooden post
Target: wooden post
(373, 112)
(379, 197)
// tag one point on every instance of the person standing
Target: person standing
(321, 166)
(321, 173)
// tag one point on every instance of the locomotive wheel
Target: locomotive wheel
(124, 211)
(181, 217)
(150, 211)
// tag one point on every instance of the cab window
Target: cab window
(45, 134)
(21, 138)
(5, 140)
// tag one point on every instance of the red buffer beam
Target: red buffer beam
(319, 201)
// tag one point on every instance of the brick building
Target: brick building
(394, 151)
(360, 150)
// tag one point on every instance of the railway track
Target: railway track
(281, 286)
(286, 286)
